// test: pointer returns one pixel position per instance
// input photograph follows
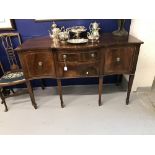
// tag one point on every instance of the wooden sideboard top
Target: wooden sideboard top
(107, 39)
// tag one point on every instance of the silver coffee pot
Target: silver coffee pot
(94, 31)
(54, 32)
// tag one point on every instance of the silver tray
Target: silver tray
(77, 41)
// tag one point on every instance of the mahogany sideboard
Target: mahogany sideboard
(42, 57)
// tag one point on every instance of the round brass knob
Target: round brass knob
(92, 55)
(118, 59)
(40, 63)
(64, 56)
(87, 73)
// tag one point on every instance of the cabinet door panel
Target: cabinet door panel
(39, 64)
(118, 60)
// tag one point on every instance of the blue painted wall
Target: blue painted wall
(29, 28)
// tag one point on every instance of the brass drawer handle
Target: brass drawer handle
(40, 63)
(118, 59)
(65, 65)
(87, 73)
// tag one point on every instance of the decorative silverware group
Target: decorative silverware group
(63, 34)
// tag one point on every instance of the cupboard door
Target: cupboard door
(118, 60)
(38, 64)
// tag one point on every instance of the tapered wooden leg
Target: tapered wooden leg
(131, 78)
(60, 92)
(31, 94)
(100, 90)
(3, 101)
(118, 80)
(42, 84)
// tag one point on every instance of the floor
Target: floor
(82, 115)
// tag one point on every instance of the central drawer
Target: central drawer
(92, 55)
(79, 64)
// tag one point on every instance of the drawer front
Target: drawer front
(118, 60)
(38, 64)
(78, 56)
(71, 57)
(89, 56)
(78, 70)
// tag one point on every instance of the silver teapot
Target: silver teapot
(92, 36)
(54, 33)
(95, 32)
(94, 26)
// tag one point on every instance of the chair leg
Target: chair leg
(12, 90)
(3, 101)
(6, 108)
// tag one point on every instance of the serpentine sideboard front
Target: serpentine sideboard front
(42, 57)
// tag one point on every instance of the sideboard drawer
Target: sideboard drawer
(71, 57)
(78, 70)
(89, 56)
(118, 60)
(38, 64)
(79, 56)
